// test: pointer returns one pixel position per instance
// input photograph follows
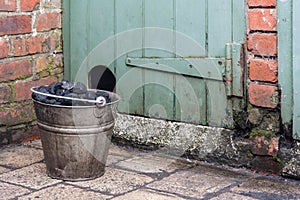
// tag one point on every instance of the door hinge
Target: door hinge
(234, 70)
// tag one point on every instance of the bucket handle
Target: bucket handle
(100, 101)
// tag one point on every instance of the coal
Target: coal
(79, 88)
(67, 85)
(75, 90)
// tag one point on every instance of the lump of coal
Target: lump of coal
(39, 97)
(79, 88)
(75, 90)
(90, 95)
(53, 87)
(67, 85)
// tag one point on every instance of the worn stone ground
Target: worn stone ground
(134, 174)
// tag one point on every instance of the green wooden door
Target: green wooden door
(289, 64)
(173, 59)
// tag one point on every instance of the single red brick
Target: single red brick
(15, 69)
(23, 87)
(8, 5)
(263, 95)
(4, 48)
(35, 44)
(262, 19)
(58, 70)
(18, 114)
(263, 70)
(58, 60)
(29, 5)
(5, 92)
(49, 43)
(42, 63)
(52, 40)
(52, 63)
(263, 44)
(260, 145)
(48, 21)
(266, 3)
(20, 46)
(15, 24)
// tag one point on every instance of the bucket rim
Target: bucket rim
(116, 96)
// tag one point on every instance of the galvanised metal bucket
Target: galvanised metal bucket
(76, 139)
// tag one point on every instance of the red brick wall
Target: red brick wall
(30, 55)
(262, 47)
(263, 84)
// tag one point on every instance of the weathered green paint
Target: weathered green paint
(168, 56)
(285, 71)
(187, 25)
(237, 70)
(238, 21)
(296, 68)
(219, 26)
(129, 17)
(159, 95)
(196, 110)
(66, 38)
(289, 63)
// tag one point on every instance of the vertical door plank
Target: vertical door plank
(159, 95)
(67, 38)
(219, 26)
(190, 98)
(238, 21)
(79, 30)
(101, 21)
(129, 41)
(219, 109)
(159, 28)
(190, 25)
(101, 29)
(296, 67)
(285, 60)
(159, 42)
(129, 24)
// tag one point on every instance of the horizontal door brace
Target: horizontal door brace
(206, 68)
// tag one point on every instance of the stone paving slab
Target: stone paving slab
(9, 191)
(125, 153)
(20, 156)
(35, 144)
(149, 164)
(3, 170)
(115, 182)
(232, 196)
(266, 187)
(64, 192)
(191, 183)
(148, 195)
(114, 159)
(33, 176)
